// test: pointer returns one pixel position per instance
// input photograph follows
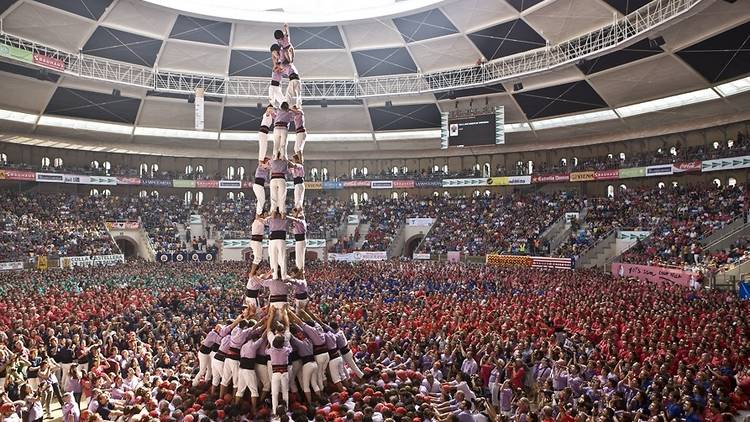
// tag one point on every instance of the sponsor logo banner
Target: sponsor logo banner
(135, 181)
(420, 222)
(207, 183)
(421, 256)
(355, 184)
(528, 261)
(164, 183)
(7, 266)
(551, 178)
(658, 170)
(235, 243)
(352, 220)
(726, 164)
(196, 219)
(230, 184)
(50, 177)
(310, 185)
(654, 273)
(16, 53)
(632, 234)
(632, 172)
(435, 183)
(290, 243)
(92, 261)
(509, 180)
(358, 256)
(381, 184)
(102, 180)
(403, 184)
(183, 183)
(606, 174)
(570, 216)
(123, 225)
(76, 179)
(47, 61)
(332, 185)
(582, 176)
(459, 183)
(28, 176)
(686, 167)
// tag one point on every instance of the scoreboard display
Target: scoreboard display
(468, 131)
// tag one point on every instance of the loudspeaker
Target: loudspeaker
(323, 103)
(388, 104)
(517, 86)
(260, 106)
(451, 95)
(116, 92)
(656, 42)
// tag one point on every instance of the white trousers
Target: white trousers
(260, 197)
(299, 195)
(277, 255)
(322, 362)
(349, 359)
(278, 194)
(279, 384)
(217, 367)
(257, 248)
(254, 301)
(230, 372)
(65, 376)
(247, 380)
(294, 95)
(261, 374)
(276, 95)
(335, 366)
(204, 368)
(299, 253)
(263, 137)
(494, 390)
(299, 141)
(279, 141)
(309, 378)
(295, 371)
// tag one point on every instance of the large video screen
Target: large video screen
(482, 129)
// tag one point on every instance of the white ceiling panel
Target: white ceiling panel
(48, 26)
(562, 20)
(324, 64)
(378, 33)
(23, 94)
(176, 114)
(186, 56)
(139, 17)
(337, 119)
(253, 36)
(470, 15)
(444, 53)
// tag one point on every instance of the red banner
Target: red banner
(551, 178)
(607, 175)
(207, 183)
(128, 180)
(357, 184)
(49, 62)
(18, 175)
(653, 273)
(686, 167)
(403, 184)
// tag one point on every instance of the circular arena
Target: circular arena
(375, 210)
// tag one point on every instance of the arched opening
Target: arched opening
(188, 170)
(563, 162)
(154, 193)
(230, 196)
(365, 197)
(107, 166)
(486, 170)
(661, 185)
(45, 162)
(477, 193)
(143, 170)
(94, 192)
(127, 247)
(94, 165)
(675, 184)
(445, 168)
(199, 198)
(730, 143)
(575, 161)
(404, 170)
(57, 163)
(199, 169)
(355, 198)
(314, 173)
(188, 198)
(143, 194)
(717, 183)
(394, 195)
(732, 182)
(106, 193)
(240, 172)
(530, 167)
(716, 144)
(411, 245)
(436, 194)
(154, 169)
(394, 171)
(673, 151)
(446, 194)
(353, 172)
(364, 171)
(240, 195)
(3, 159)
(623, 188)
(230, 172)
(487, 193)
(404, 195)
(610, 191)
(324, 174)
(435, 168)
(622, 156)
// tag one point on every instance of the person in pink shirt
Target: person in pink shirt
(253, 287)
(262, 175)
(265, 127)
(298, 174)
(299, 229)
(278, 353)
(279, 171)
(301, 132)
(277, 225)
(282, 117)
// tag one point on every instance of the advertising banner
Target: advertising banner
(607, 175)
(309, 185)
(528, 261)
(122, 225)
(403, 184)
(632, 172)
(230, 184)
(633, 234)
(654, 273)
(434, 183)
(200, 102)
(382, 184)
(421, 256)
(134, 181)
(7, 266)
(460, 183)
(163, 183)
(102, 180)
(570, 216)
(659, 170)
(50, 177)
(76, 179)
(355, 184)
(509, 180)
(551, 178)
(235, 243)
(16, 53)
(332, 185)
(28, 176)
(726, 164)
(206, 183)
(352, 220)
(454, 256)
(47, 61)
(686, 167)
(420, 222)
(358, 256)
(183, 183)
(92, 261)
(582, 176)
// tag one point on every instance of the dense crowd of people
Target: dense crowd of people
(434, 342)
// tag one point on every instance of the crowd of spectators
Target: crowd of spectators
(436, 342)
(387, 215)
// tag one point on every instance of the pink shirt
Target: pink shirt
(279, 356)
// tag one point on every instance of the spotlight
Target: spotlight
(43, 75)
(260, 106)
(116, 92)
(656, 42)
(517, 86)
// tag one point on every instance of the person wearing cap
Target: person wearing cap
(279, 352)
